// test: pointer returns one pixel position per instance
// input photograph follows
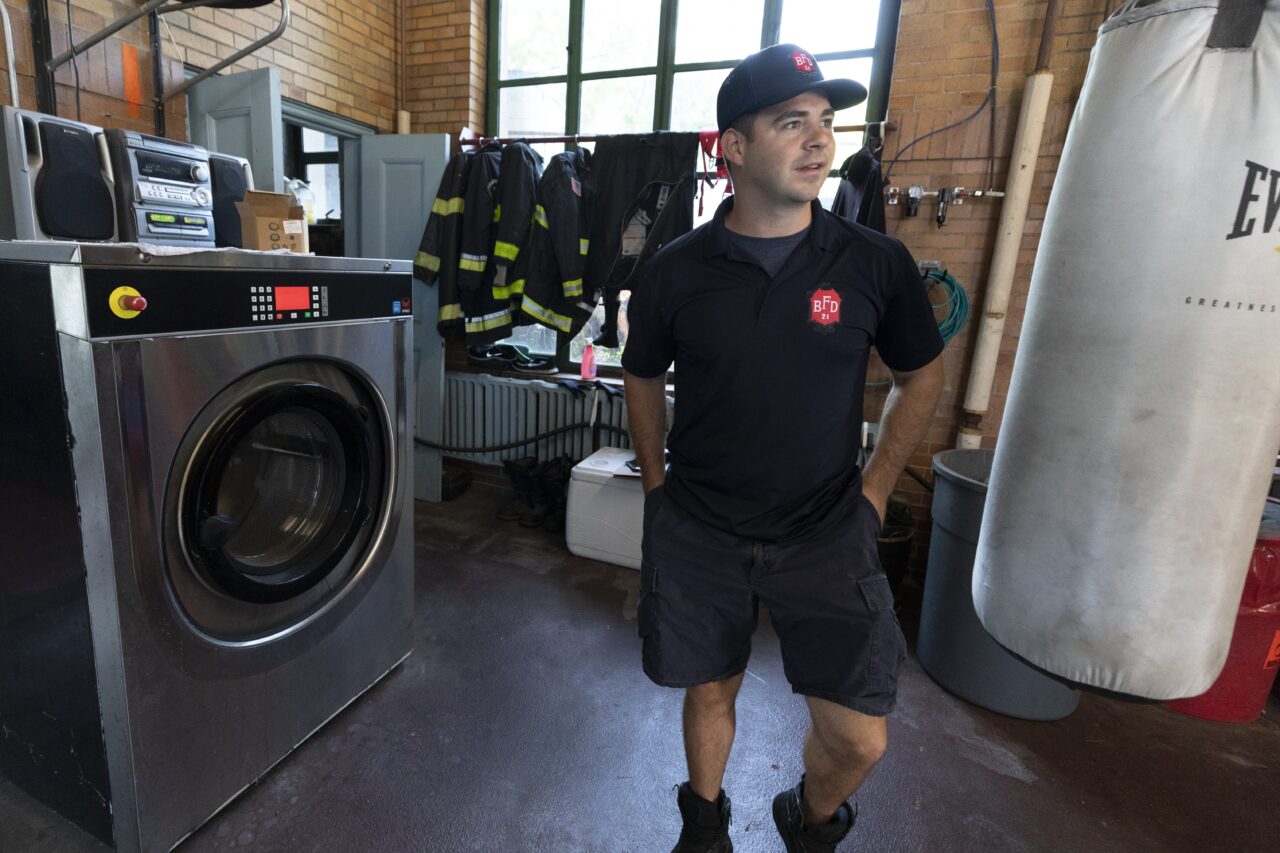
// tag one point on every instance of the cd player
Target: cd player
(163, 190)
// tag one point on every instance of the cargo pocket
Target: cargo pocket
(888, 647)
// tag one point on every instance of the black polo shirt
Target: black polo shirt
(769, 372)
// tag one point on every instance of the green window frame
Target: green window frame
(664, 70)
(666, 67)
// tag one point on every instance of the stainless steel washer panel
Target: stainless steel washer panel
(200, 721)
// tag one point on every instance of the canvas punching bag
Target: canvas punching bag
(1143, 417)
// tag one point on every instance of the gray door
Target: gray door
(240, 114)
(396, 183)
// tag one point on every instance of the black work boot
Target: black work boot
(706, 824)
(799, 837)
(555, 480)
(536, 512)
(520, 472)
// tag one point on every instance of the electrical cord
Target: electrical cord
(911, 472)
(957, 304)
(988, 100)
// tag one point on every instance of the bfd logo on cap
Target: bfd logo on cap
(804, 62)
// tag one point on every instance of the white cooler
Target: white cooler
(605, 515)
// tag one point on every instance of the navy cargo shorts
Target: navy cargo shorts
(830, 602)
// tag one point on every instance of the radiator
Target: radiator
(482, 411)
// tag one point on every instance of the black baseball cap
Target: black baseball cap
(778, 74)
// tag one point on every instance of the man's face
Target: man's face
(790, 150)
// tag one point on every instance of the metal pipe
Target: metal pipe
(102, 35)
(1013, 218)
(479, 141)
(285, 17)
(1051, 16)
(8, 52)
(1004, 259)
(154, 6)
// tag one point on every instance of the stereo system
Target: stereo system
(163, 192)
(67, 180)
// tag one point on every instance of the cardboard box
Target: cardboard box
(272, 221)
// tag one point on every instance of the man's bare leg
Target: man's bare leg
(710, 721)
(840, 750)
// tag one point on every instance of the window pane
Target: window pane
(820, 26)
(325, 182)
(539, 339)
(548, 149)
(620, 34)
(603, 356)
(693, 99)
(707, 201)
(618, 105)
(314, 141)
(855, 69)
(827, 195)
(711, 30)
(534, 39)
(531, 110)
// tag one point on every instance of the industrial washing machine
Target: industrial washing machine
(207, 519)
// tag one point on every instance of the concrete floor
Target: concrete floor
(522, 722)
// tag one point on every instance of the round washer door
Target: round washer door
(274, 497)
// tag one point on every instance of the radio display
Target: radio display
(165, 168)
(292, 298)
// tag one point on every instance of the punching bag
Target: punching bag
(1143, 418)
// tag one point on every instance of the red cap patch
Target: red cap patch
(804, 62)
(824, 307)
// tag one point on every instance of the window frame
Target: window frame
(665, 70)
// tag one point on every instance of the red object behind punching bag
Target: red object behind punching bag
(1240, 693)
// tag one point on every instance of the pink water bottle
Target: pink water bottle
(589, 363)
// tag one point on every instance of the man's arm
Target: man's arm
(647, 423)
(908, 413)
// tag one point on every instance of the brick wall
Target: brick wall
(342, 56)
(941, 74)
(337, 55)
(445, 50)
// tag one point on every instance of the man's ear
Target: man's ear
(733, 143)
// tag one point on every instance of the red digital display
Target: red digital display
(293, 298)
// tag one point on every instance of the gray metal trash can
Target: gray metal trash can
(953, 647)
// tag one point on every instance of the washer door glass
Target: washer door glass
(282, 477)
(281, 494)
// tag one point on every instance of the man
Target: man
(768, 313)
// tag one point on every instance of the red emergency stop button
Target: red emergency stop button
(126, 303)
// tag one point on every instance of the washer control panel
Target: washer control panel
(268, 303)
(133, 301)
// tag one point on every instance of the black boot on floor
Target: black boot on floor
(788, 815)
(706, 824)
(520, 472)
(555, 483)
(536, 513)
